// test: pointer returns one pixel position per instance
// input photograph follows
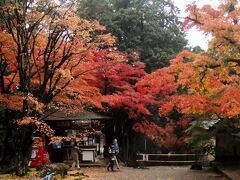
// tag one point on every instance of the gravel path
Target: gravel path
(151, 173)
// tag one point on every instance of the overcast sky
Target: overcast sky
(194, 37)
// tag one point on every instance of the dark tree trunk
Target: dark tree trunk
(23, 150)
(7, 150)
(17, 143)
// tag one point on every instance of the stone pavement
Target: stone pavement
(151, 173)
(230, 171)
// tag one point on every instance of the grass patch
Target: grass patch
(76, 176)
(31, 175)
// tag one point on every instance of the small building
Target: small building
(70, 126)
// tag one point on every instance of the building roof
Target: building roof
(65, 116)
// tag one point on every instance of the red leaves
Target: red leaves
(150, 129)
(166, 108)
(192, 104)
(183, 123)
(158, 82)
(130, 100)
(116, 78)
(228, 102)
(113, 72)
(194, 84)
(13, 102)
(166, 137)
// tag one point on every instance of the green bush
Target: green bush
(60, 168)
(57, 168)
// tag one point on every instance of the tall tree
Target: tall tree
(205, 86)
(43, 49)
(116, 76)
(148, 27)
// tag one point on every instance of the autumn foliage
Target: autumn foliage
(44, 66)
(115, 75)
(50, 58)
(206, 84)
(43, 50)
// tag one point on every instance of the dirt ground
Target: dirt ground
(151, 173)
(129, 173)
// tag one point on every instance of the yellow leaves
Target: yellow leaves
(203, 85)
(203, 74)
(223, 73)
(221, 23)
(10, 8)
(228, 4)
(207, 83)
(66, 73)
(34, 105)
(25, 120)
(41, 126)
(79, 136)
(79, 94)
(105, 40)
(97, 26)
(70, 20)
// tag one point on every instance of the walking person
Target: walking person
(116, 148)
(113, 151)
(75, 156)
(111, 154)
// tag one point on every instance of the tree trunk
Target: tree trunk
(23, 152)
(16, 149)
(21, 168)
(7, 150)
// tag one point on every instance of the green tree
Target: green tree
(149, 27)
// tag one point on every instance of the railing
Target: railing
(172, 158)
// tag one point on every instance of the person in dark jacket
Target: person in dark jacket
(116, 149)
(113, 151)
(111, 154)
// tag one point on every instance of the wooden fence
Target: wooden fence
(172, 159)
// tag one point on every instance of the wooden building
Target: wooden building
(70, 126)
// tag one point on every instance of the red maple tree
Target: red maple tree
(115, 75)
(206, 84)
(43, 50)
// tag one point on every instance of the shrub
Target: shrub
(60, 168)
